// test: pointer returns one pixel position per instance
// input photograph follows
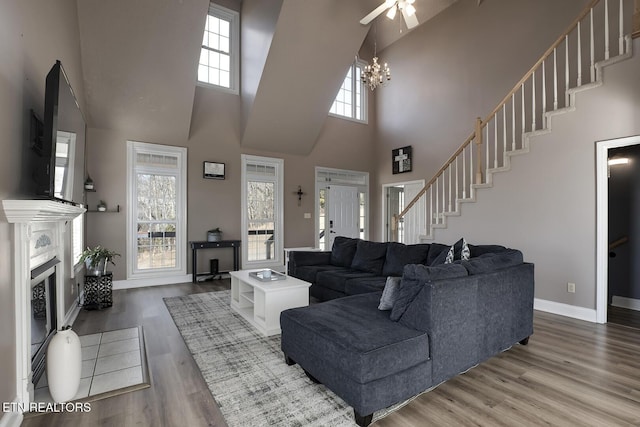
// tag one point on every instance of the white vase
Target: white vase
(64, 365)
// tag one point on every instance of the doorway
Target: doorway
(342, 204)
(395, 198)
(618, 289)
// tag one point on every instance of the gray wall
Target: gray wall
(215, 136)
(33, 34)
(454, 69)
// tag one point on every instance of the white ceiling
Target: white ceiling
(139, 61)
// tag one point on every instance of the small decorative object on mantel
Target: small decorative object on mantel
(88, 184)
(214, 235)
(401, 160)
(64, 365)
(213, 170)
(102, 206)
(299, 193)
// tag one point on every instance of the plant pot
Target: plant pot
(64, 365)
(96, 270)
(214, 236)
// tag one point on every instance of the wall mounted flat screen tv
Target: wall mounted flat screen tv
(58, 169)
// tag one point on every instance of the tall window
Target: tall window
(262, 207)
(351, 99)
(219, 55)
(156, 238)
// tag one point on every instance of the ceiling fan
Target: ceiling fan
(405, 7)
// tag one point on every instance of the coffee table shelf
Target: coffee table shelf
(260, 303)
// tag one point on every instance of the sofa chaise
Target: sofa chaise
(444, 319)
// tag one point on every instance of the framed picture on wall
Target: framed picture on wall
(213, 170)
(401, 160)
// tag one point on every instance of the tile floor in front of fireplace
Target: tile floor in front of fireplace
(110, 361)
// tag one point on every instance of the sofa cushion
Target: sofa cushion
(355, 337)
(363, 285)
(399, 255)
(435, 250)
(477, 250)
(337, 280)
(493, 261)
(390, 293)
(308, 272)
(415, 276)
(369, 257)
(343, 250)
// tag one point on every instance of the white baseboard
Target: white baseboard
(580, 313)
(623, 302)
(156, 281)
(11, 418)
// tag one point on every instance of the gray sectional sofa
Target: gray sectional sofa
(445, 319)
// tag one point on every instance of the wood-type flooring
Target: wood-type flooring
(572, 373)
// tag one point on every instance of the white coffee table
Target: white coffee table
(261, 303)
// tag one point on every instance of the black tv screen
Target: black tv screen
(59, 171)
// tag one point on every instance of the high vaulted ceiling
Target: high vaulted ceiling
(139, 61)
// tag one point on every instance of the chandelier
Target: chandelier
(375, 75)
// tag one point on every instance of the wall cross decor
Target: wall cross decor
(401, 160)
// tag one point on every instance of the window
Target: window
(156, 212)
(262, 207)
(77, 241)
(351, 99)
(218, 65)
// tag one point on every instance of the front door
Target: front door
(343, 213)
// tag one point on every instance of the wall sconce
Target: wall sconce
(299, 193)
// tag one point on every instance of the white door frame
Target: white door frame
(383, 227)
(316, 197)
(602, 221)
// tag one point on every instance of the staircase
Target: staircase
(598, 37)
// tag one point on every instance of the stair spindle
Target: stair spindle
(495, 141)
(544, 96)
(450, 188)
(524, 120)
(606, 30)
(579, 81)
(566, 71)
(457, 178)
(478, 138)
(592, 65)
(513, 121)
(486, 130)
(533, 101)
(504, 130)
(464, 176)
(555, 80)
(621, 29)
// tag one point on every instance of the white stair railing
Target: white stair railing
(525, 110)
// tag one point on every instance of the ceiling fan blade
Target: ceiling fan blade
(374, 13)
(411, 20)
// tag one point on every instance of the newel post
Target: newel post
(394, 228)
(478, 141)
(636, 19)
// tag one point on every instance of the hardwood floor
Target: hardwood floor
(572, 373)
(623, 316)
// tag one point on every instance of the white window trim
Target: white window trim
(278, 261)
(134, 147)
(234, 46)
(356, 80)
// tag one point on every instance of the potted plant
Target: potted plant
(214, 235)
(96, 259)
(102, 206)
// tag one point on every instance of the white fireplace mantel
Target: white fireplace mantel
(38, 235)
(27, 211)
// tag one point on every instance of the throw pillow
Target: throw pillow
(369, 257)
(415, 277)
(458, 251)
(390, 293)
(343, 251)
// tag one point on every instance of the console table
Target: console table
(196, 246)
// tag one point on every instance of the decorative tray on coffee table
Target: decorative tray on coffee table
(267, 275)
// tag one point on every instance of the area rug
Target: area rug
(245, 371)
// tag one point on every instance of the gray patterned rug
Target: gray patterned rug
(245, 370)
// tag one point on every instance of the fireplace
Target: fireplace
(41, 265)
(44, 314)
